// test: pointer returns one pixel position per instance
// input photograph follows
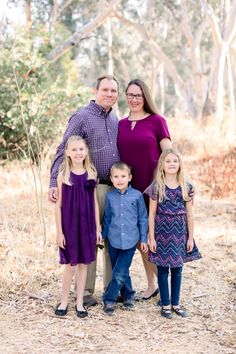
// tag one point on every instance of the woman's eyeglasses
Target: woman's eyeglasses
(131, 96)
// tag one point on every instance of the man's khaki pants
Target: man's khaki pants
(102, 190)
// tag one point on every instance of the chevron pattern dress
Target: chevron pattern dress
(170, 228)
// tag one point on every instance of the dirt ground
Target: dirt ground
(30, 288)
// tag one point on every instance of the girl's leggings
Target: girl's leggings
(176, 277)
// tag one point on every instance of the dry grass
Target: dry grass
(30, 280)
(210, 159)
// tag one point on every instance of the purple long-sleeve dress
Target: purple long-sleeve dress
(140, 147)
(78, 221)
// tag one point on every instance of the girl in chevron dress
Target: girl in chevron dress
(170, 228)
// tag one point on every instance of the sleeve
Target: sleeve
(74, 127)
(106, 218)
(190, 191)
(142, 219)
(152, 191)
(163, 131)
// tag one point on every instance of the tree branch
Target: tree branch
(155, 49)
(85, 31)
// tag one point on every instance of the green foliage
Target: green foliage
(36, 97)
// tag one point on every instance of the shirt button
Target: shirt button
(121, 204)
(122, 224)
(113, 155)
(122, 233)
(121, 214)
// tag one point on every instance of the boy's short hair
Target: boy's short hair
(120, 166)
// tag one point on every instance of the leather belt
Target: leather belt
(105, 182)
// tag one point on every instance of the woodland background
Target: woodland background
(51, 54)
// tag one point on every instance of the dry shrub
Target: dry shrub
(217, 173)
(210, 158)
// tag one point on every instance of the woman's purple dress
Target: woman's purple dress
(140, 147)
(78, 220)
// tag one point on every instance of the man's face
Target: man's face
(107, 93)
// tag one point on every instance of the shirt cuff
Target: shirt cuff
(53, 184)
(143, 239)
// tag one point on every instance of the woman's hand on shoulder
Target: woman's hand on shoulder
(60, 240)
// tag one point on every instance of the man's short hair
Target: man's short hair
(120, 166)
(108, 77)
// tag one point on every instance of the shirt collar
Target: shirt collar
(99, 109)
(125, 192)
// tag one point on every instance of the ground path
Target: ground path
(27, 323)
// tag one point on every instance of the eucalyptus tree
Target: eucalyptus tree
(172, 44)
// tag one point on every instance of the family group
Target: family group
(120, 185)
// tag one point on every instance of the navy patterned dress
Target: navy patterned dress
(171, 231)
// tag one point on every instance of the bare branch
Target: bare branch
(101, 17)
(154, 48)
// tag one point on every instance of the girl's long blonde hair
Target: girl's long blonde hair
(182, 178)
(66, 165)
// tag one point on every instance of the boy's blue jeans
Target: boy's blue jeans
(121, 282)
(176, 277)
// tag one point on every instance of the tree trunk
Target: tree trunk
(220, 86)
(162, 87)
(231, 133)
(109, 47)
(28, 14)
(214, 103)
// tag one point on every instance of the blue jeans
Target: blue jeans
(176, 277)
(121, 282)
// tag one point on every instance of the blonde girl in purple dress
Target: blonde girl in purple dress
(77, 220)
(171, 228)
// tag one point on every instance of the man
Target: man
(98, 125)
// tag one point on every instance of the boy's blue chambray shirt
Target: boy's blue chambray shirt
(125, 220)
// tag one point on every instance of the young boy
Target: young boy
(125, 223)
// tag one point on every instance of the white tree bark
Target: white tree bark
(104, 11)
(182, 91)
(222, 42)
(194, 41)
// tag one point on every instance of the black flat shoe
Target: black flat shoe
(81, 314)
(156, 292)
(109, 309)
(166, 313)
(60, 312)
(89, 300)
(180, 311)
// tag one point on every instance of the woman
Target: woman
(141, 138)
